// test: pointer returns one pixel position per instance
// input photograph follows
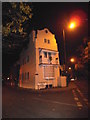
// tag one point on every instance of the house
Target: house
(39, 63)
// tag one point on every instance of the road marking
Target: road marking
(84, 99)
(75, 98)
(53, 109)
(79, 104)
(55, 102)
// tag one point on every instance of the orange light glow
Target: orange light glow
(72, 25)
(74, 22)
(72, 60)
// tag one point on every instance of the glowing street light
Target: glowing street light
(72, 25)
(69, 68)
(8, 78)
(72, 60)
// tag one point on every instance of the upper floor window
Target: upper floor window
(49, 54)
(46, 31)
(45, 54)
(45, 40)
(56, 58)
(48, 41)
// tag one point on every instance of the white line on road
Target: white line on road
(81, 94)
(79, 105)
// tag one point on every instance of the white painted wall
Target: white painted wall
(36, 71)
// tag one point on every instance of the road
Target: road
(69, 102)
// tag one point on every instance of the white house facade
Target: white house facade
(39, 63)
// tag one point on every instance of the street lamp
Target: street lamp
(72, 60)
(69, 68)
(72, 25)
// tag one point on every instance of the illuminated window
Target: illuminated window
(45, 54)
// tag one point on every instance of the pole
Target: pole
(64, 48)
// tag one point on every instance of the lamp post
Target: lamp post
(73, 60)
(72, 25)
(64, 48)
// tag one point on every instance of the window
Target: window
(46, 31)
(48, 41)
(45, 54)
(56, 60)
(45, 40)
(49, 54)
(40, 59)
(48, 72)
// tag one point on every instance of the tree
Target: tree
(83, 51)
(82, 60)
(15, 17)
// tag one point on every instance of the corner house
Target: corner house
(39, 63)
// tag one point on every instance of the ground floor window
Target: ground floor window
(48, 71)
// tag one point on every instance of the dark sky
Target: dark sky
(55, 16)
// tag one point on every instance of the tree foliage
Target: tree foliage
(83, 52)
(14, 17)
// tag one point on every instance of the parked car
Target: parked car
(72, 78)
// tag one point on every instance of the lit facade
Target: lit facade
(39, 63)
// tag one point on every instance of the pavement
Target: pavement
(66, 102)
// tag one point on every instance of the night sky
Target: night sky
(55, 16)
